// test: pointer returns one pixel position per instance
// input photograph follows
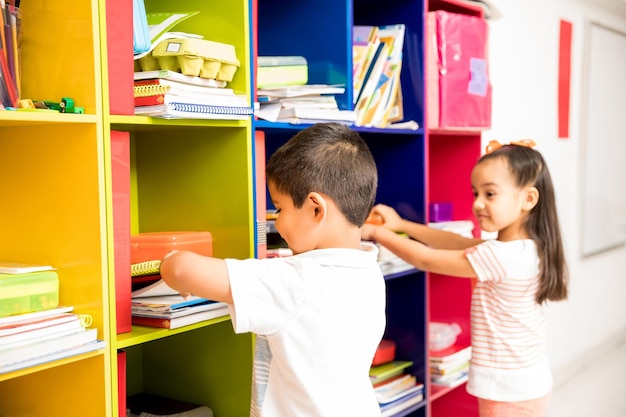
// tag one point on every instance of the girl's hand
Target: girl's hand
(390, 217)
(367, 231)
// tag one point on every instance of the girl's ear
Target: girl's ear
(531, 198)
(318, 205)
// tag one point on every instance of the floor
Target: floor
(597, 391)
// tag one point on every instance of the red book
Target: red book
(175, 323)
(206, 98)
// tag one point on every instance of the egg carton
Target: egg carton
(195, 57)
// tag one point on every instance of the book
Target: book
(388, 370)
(21, 268)
(23, 318)
(141, 311)
(177, 322)
(177, 76)
(178, 110)
(145, 268)
(77, 350)
(154, 86)
(15, 328)
(40, 334)
(156, 289)
(159, 25)
(165, 303)
(406, 391)
(450, 381)
(376, 106)
(372, 78)
(29, 351)
(143, 281)
(451, 354)
(192, 98)
(401, 404)
(448, 369)
(301, 90)
(280, 71)
(316, 113)
(364, 46)
(392, 389)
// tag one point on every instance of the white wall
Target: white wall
(524, 45)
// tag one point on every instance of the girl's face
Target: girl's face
(499, 204)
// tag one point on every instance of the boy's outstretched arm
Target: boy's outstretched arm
(441, 261)
(191, 273)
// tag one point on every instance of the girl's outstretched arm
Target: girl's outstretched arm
(438, 239)
(191, 273)
(441, 261)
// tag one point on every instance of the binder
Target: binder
(119, 15)
(141, 35)
(260, 196)
(120, 177)
(121, 383)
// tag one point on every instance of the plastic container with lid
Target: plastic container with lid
(442, 335)
(25, 293)
(151, 246)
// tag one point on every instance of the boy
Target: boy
(318, 315)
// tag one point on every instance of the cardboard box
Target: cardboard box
(25, 293)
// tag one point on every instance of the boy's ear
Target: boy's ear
(318, 205)
(531, 198)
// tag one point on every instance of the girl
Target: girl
(518, 272)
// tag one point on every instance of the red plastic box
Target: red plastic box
(385, 353)
(155, 245)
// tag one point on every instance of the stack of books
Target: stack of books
(449, 367)
(281, 71)
(172, 95)
(31, 339)
(377, 93)
(396, 390)
(156, 304)
(303, 104)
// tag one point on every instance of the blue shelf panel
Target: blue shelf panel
(317, 30)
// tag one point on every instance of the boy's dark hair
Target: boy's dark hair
(529, 169)
(331, 159)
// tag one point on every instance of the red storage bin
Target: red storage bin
(155, 245)
(459, 86)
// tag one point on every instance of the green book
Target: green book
(388, 370)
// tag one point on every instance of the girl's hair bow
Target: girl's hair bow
(494, 144)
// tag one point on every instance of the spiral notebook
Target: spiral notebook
(177, 110)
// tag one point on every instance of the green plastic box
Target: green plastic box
(25, 293)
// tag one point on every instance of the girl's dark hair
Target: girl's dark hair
(530, 169)
(328, 158)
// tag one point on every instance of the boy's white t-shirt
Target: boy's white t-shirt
(509, 356)
(319, 317)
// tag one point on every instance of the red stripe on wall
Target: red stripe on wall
(565, 70)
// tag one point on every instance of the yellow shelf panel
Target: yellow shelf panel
(143, 334)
